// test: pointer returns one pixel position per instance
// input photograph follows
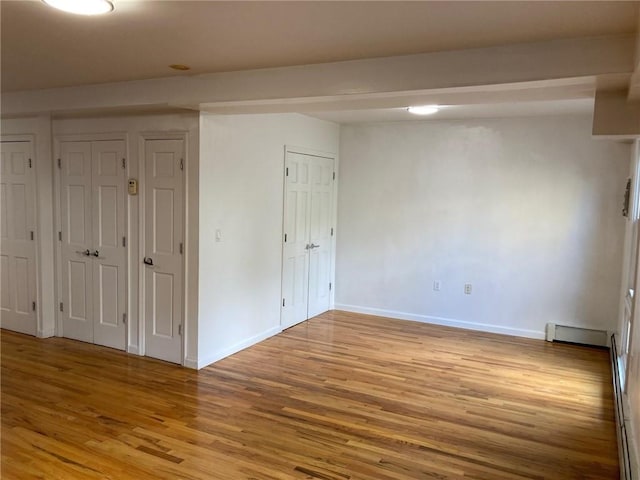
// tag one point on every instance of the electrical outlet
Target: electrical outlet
(467, 288)
(436, 286)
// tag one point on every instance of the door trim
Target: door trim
(143, 138)
(334, 215)
(57, 214)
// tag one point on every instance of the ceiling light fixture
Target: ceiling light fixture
(423, 109)
(82, 7)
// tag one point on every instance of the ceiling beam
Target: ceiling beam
(480, 67)
(614, 116)
(634, 84)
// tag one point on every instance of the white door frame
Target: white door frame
(334, 215)
(31, 139)
(88, 137)
(144, 137)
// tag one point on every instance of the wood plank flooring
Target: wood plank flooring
(340, 397)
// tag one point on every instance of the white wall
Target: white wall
(526, 210)
(632, 388)
(241, 194)
(133, 127)
(39, 129)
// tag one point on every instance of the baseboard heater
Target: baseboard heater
(581, 336)
(628, 462)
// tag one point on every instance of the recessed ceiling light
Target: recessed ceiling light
(178, 66)
(82, 7)
(423, 109)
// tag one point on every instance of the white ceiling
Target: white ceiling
(44, 48)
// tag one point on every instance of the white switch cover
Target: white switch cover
(467, 288)
(436, 286)
(218, 235)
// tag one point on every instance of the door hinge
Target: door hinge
(124, 318)
(285, 238)
(124, 163)
(182, 164)
(124, 241)
(30, 165)
(334, 175)
(59, 163)
(33, 306)
(61, 307)
(32, 235)
(59, 236)
(332, 231)
(180, 329)
(330, 286)
(181, 248)
(283, 302)
(287, 171)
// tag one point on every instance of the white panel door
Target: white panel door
(320, 231)
(108, 255)
(163, 231)
(295, 252)
(93, 257)
(306, 267)
(17, 238)
(75, 208)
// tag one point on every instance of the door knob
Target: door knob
(95, 254)
(312, 246)
(148, 261)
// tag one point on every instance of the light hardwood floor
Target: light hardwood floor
(342, 396)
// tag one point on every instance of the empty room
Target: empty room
(334, 240)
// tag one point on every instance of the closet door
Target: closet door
(306, 260)
(108, 255)
(320, 233)
(17, 238)
(163, 241)
(76, 308)
(93, 254)
(295, 260)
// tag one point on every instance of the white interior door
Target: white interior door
(295, 258)
(17, 238)
(306, 261)
(76, 309)
(93, 255)
(108, 258)
(163, 245)
(320, 231)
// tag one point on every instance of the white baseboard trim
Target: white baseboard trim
(219, 355)
(133, 349)
(190, 363)
(46, 333)
(447, 322)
